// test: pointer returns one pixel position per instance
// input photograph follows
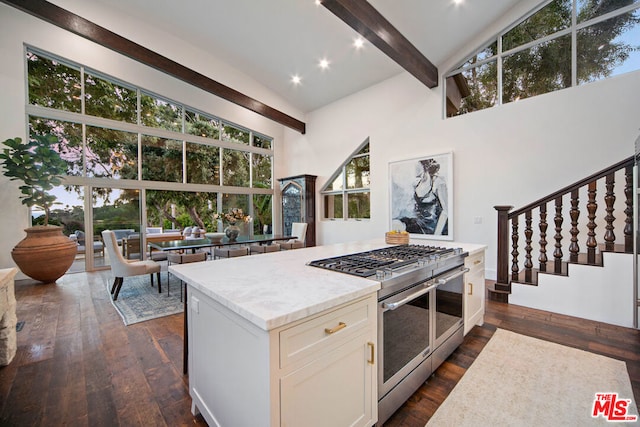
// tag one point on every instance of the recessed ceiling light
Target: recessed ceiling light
(358, 43)
(318, 2)
(296, 80)
(324, 63)
(458, 1)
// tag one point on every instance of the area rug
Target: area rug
(138, 301)
(522, 381)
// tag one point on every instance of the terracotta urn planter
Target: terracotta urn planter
(45, 254)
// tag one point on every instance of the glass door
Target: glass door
(68, 214)
(118, 210)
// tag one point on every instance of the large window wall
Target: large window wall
(182, 164)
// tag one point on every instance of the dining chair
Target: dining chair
(174, 258)
(121, 267)
(298, 229)
(230, 252)
(263, 249)
(132, 246)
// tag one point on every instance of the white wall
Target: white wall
(610, 304)
(18, 29)
(507, 155)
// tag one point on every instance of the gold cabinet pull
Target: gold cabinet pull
(476, 262)
(341, 325)
(470, 289)
(373, 353)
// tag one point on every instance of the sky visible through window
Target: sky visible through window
(631, 37)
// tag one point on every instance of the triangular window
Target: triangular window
(346, 194)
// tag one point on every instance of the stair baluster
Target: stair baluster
(609, 200)
(574, 213)
(592, 206)
(543, 237)
(528, 232)
(514, 252)
(557, 253)
(628, 222)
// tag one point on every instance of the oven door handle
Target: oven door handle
(453, 276)
(403, 301)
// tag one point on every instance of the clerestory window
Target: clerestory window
(562, 44)
(347, 193)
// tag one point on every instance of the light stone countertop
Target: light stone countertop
(274, 289)
(6, 274)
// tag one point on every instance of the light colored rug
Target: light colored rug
(138, 301)
(522, 381)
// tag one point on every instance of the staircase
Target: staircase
(527, 250)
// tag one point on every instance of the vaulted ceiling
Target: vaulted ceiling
(273, 40)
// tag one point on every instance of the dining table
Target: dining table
(193, 244)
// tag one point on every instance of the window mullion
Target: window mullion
(345, 205)
(574, 44)
(83, 124)
(499, 71)
(139, 108)
(184, 146)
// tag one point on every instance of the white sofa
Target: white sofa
(193, 233)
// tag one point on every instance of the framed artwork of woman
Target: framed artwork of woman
(421, 196)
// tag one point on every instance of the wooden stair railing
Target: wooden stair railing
(553, 204)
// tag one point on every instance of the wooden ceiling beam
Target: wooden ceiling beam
(368, 22)
(91, 31)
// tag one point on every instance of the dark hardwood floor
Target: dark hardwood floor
(78, 365)
(600, 338)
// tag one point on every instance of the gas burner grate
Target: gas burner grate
(365, 264)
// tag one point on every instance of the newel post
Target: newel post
(503, 282)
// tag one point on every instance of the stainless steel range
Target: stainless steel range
(420, 306)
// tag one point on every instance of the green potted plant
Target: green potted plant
(45, 254)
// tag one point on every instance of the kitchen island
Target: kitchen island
(273, 341)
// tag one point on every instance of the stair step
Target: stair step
(494, 294)
(617, 248)
(530, 277)
(583, 259)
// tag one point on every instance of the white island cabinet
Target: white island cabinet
(475, 291)
(314, 372)
(274, 342)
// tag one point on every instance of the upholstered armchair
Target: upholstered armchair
(121, 267)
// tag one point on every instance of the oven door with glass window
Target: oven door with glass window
(449, 305)
(405, 334)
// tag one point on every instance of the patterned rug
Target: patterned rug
(522, 381)
(138, 301)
